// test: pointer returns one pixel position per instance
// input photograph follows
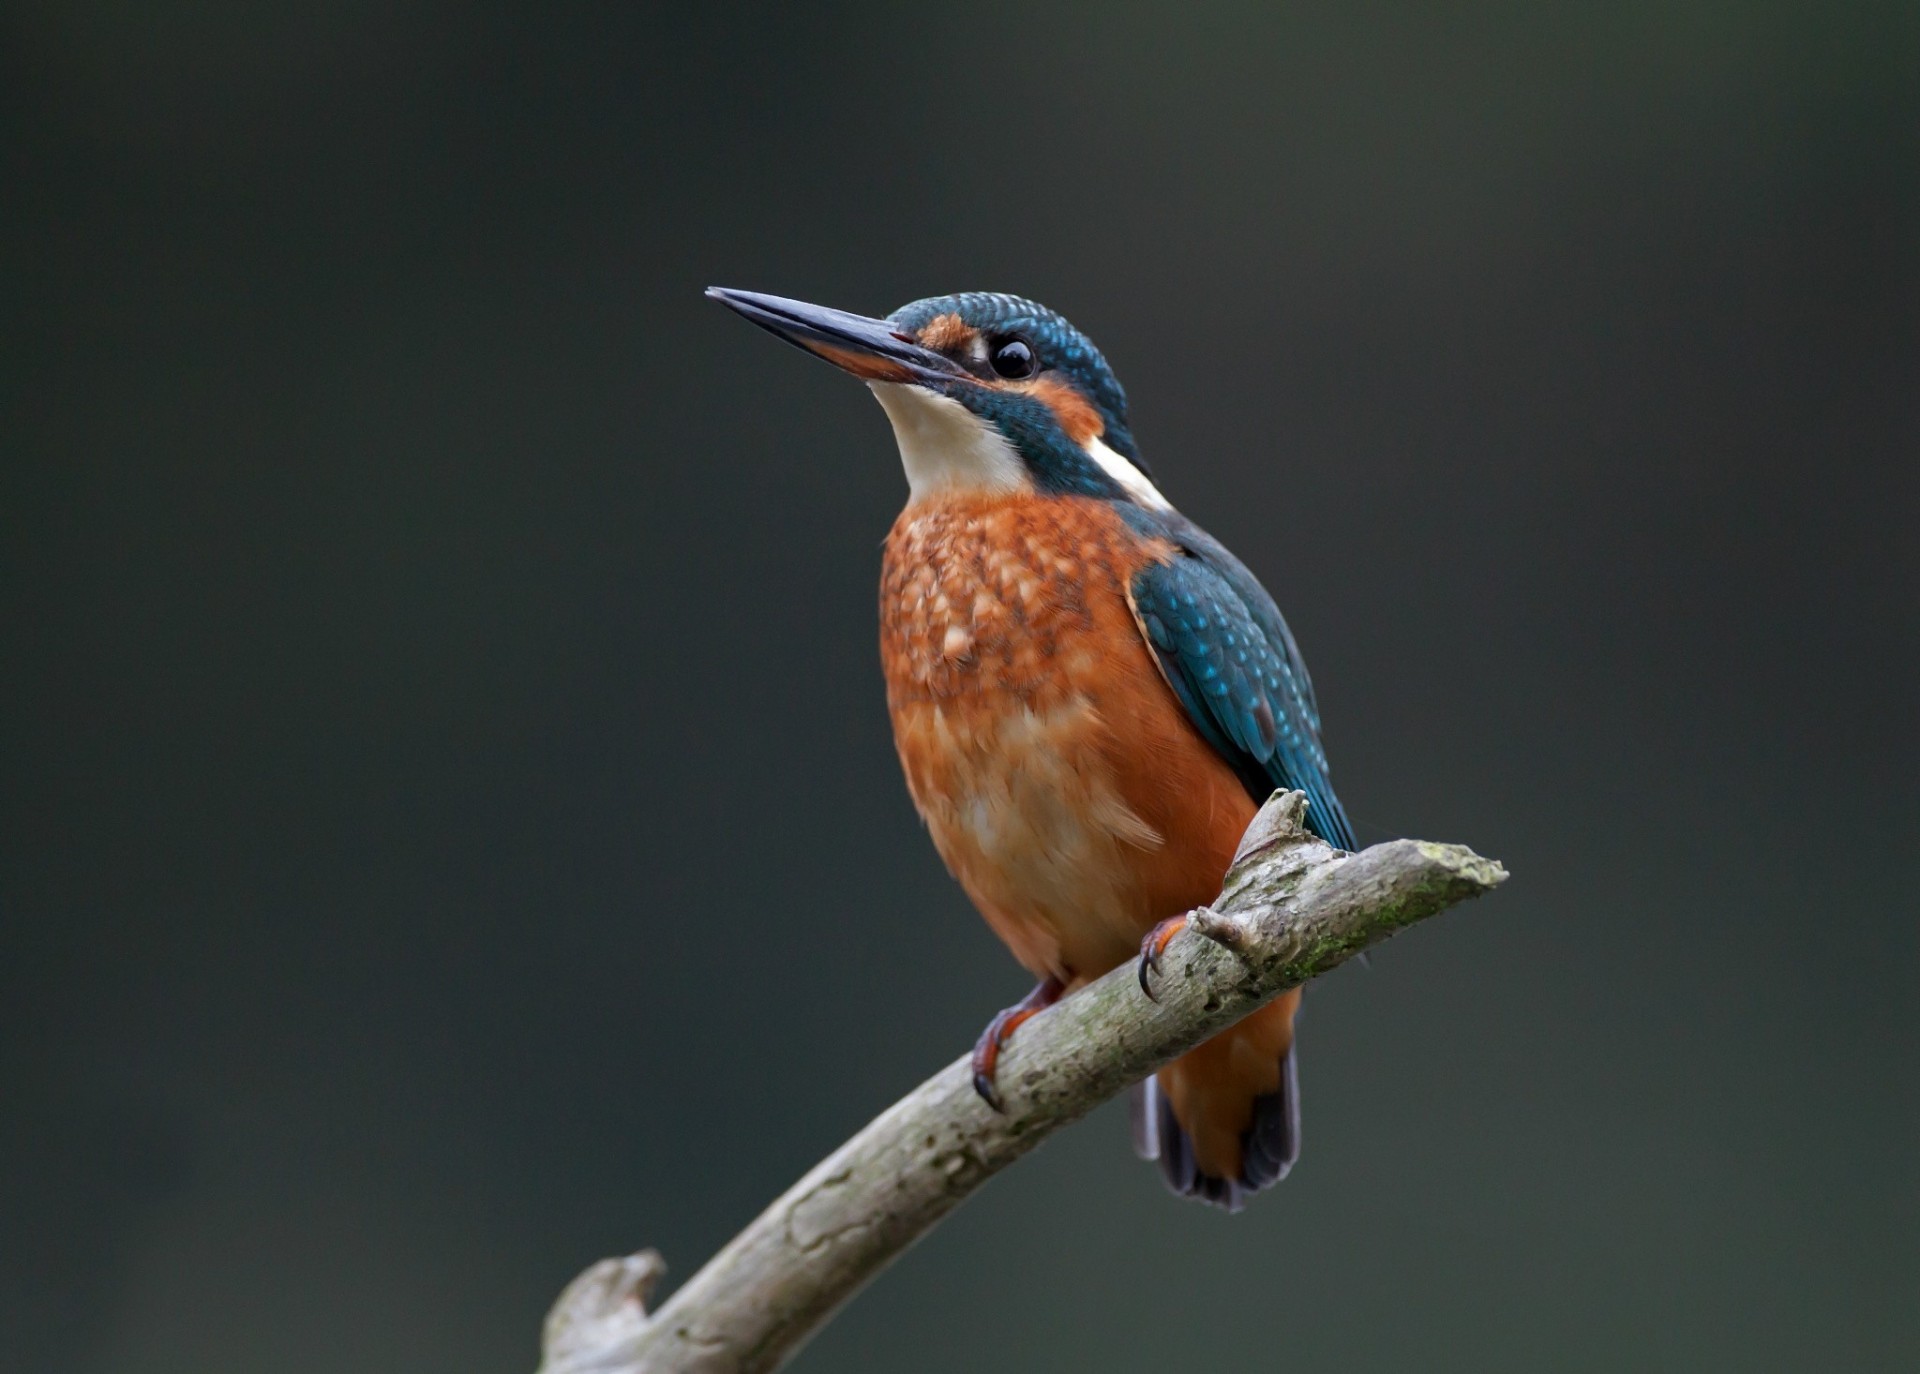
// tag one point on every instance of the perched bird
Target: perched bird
(1090, 695)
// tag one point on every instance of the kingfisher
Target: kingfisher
(1090, 695)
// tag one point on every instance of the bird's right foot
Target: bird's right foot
(1153, 947)
(986, 1050)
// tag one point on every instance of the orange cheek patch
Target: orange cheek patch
(1074, 411)
(948, 334)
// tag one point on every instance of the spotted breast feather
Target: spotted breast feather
(1062, 782)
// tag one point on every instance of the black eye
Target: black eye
(1013, 359)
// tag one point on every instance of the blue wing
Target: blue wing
(1231, 660)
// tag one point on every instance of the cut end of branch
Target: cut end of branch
(598, 1313)
(1452, 873)
(1229, 932)
(1281, 821)
(1476, 875)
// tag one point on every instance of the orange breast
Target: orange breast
(1061, 780)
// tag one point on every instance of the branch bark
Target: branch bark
(1291, 909)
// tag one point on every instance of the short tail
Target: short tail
(1223, 1121)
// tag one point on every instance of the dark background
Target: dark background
(450, 827)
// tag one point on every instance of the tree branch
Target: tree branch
(1291, 909)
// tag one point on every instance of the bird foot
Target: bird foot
(1153, 947)
(1226, 931)
(986, 1050)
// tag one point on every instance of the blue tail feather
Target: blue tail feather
(1269, 1149)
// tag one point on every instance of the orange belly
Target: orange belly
(1059, 776)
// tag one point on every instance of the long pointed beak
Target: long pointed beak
(870, 349)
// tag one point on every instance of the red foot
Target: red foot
(1154, 946)
(986, 1050)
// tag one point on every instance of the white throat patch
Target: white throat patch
(946, 448)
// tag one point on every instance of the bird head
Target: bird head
(987, 393)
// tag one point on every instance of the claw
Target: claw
(984, 1085)
(1153, 947)
(986, 1050)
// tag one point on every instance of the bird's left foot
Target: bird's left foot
(986, 1050)
(1153, 947)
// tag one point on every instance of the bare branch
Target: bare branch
(1291, 910)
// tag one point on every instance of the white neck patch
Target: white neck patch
(1127, 475)
(946, 449)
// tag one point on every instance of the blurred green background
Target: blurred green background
(448, 825)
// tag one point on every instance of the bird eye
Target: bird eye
(1013, 359)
